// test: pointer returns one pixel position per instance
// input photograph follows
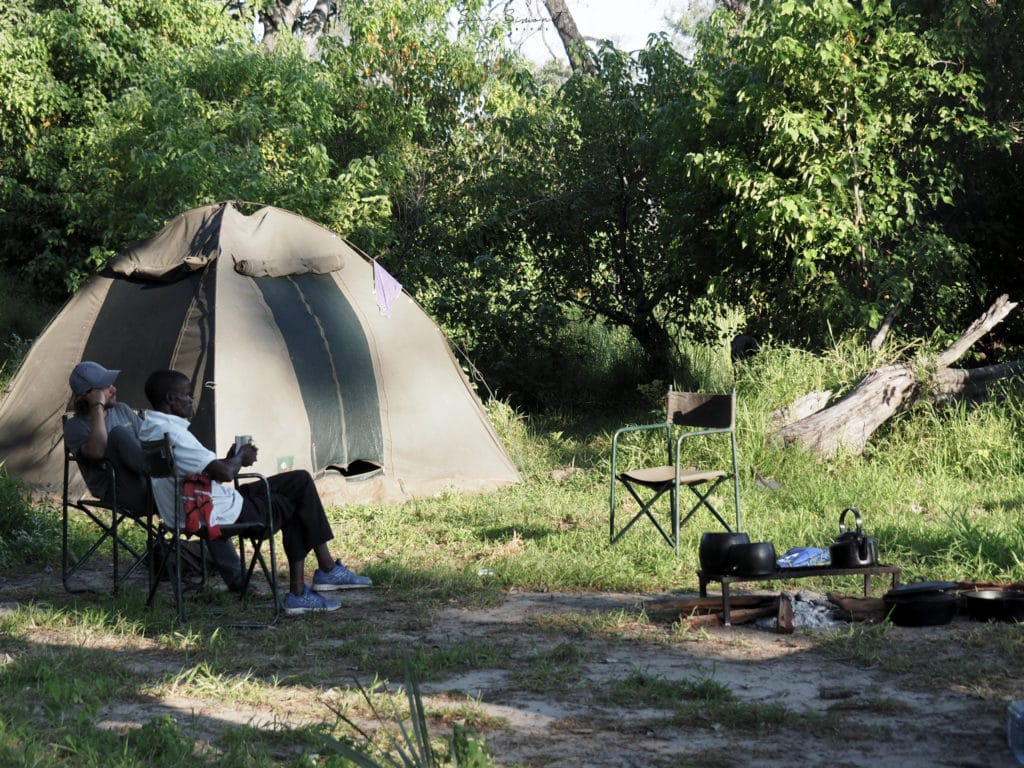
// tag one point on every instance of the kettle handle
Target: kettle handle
(842, 519)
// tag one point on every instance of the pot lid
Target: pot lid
(919, 587)
(989, 595)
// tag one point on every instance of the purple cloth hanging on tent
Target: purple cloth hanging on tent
(386, 287)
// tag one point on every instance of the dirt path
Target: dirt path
(792, 705)
(854, 717)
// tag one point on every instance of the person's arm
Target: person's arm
(224, 470)
(95, 446)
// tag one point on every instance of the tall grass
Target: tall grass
(29, 530)
(940, 488)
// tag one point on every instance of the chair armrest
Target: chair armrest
(664, 426)
(695, 433)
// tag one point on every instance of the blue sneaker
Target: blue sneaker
(339, 577)
(308, 602)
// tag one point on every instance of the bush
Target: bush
(22, 316)
(584, 366)
(27, 533)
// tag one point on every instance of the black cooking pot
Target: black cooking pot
(752, 559)
(714, 550)
(922, 603)
(995, 605)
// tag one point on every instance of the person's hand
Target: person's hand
(95, 397)
(248, 453)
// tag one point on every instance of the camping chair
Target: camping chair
(173, 539)
(108, 517)
(701, 416)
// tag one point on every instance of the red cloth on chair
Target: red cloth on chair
(198, 504)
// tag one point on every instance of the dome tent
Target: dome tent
(275, 321)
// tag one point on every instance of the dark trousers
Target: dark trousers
(124, 452)
(297, 511)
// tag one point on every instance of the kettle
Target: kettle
(852, 549)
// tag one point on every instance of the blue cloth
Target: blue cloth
(799, 557)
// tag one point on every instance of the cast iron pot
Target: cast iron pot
(714, 550)
(922, 603)
(995, 605)
(752, 559)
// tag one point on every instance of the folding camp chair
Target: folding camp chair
(690, 415)
(172, 539)
(109, 517)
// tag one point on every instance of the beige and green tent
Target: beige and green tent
(277, 322)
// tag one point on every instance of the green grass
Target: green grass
(941, 489)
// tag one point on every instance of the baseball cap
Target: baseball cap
(89, 375)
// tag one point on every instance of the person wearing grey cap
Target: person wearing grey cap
(104, 429)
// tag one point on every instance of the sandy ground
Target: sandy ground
(940, 727)
(839, 714)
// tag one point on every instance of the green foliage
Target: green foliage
(238, 124)
(62, 65)
(411, 747)
(640, 688)
(161, 741)
(23, 314)
(828, 132)
(28, 533)
(582, 187)
(989, 40)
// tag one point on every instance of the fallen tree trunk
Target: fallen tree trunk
(847, 424)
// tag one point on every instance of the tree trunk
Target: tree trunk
(314, 26)
(657, 347)
(883, 329)
(573, 42)
(957, 384)
(278, 18)
(884, 392)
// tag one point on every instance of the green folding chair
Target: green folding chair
(112, 519)
(689, 416)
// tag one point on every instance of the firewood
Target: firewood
(784, 617)
(736, 615)
(857, 608)
(702, 604)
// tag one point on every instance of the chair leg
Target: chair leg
(702, 500)
(677, 523)
(645, 509)
(173, 542)
(68, 568)
(674, 501)
(269, 573)
(155, 572)
(179, 598)
(112, 530)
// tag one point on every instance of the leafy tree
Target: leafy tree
(236, 124)
(829, 128)
(61, 63)
(566, 213)
(341, 139)
(989, 39)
